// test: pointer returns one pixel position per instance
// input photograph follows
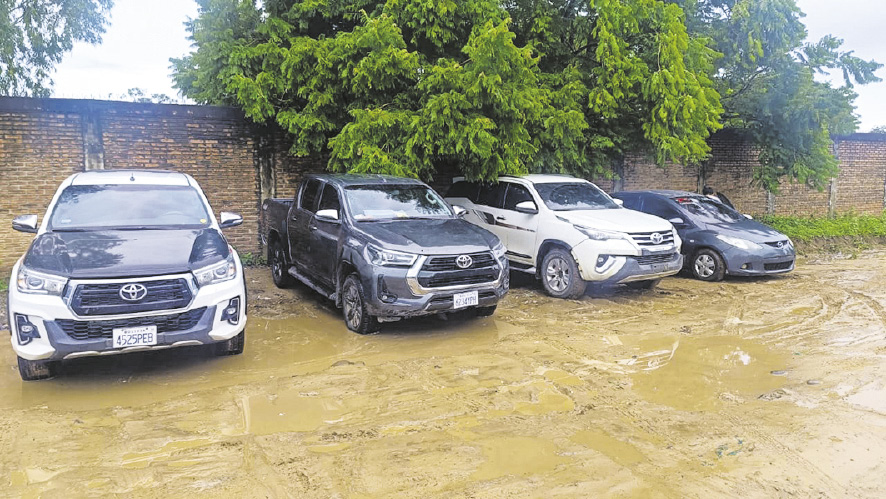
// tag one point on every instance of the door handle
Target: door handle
(500, 218)
(313, 227)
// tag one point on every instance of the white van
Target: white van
(568, 232)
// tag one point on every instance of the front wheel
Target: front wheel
(279, 268)
(33, 370)
(560, 276)
(354, 309)
(708, 265)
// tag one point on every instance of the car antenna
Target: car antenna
(132, 177)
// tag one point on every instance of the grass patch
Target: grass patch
(806, 229)
(250, 260)
(3, 285)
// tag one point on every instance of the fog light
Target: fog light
(383, 293)
(231, 313)
(26, 330)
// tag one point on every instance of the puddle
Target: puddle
(691, 374)
(517, 456)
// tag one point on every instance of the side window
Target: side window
(329, 200)
(516, 194)
(631, 202)
(660, 208)
(464, 189)
(492, 195)
(309, 195)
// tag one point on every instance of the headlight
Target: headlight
(599, 235)
(38, 283)
(378, 256)
(218, 272)
(739, 242)
(499, 251)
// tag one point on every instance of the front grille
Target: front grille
(651, 259)
(447, 263)
(778, 244)
(645, 238)
(104, 299)
(444, 279)
(87, 330)
(778, 266)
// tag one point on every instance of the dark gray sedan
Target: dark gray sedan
(717, 240)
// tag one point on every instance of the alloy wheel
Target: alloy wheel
(353, 307)
(557, 274)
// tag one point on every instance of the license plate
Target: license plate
(462, 300)
(135, 336)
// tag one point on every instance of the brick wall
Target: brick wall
(238, 164)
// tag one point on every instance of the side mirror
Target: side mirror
(620, 202)
(527, 207)
(328, 215)
(678, 222)
(25, 223)
(228, 219)
(459, 211)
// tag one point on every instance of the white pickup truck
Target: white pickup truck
(124, 261)
(568, 232)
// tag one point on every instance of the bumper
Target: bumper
(768, 262)
(49, 313)
(396, 292)
(620, 268)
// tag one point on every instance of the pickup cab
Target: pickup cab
(382, 248)
(568, 232)
(124, 261)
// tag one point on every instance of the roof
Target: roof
(350, 179)
(661, 192)
(536, 178)
(131, 177)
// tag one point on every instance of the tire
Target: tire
(353, 306)
(644, 285)
(485, 311)
(33, 370)
(279, 267)
(560, 276)
(233, 346)
(708, 265)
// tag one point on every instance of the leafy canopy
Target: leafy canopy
(766, 78)
(410, 87)
(35, 34)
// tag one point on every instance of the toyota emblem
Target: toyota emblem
(464, 261)
(133, 292)
(780, 244)
(656, 238)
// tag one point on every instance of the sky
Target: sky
(143, 35)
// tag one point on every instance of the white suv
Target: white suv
(569, 232)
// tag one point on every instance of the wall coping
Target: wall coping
(86, 106)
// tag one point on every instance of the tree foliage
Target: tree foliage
(412, 86)
(766, 78)
(35, 34)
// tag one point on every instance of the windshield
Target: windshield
(574, 196)
(709, 210)
(387, 202)
(93, 207)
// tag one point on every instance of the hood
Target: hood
(618, 220)
(748, 229)
(125, 253)
(429, 237)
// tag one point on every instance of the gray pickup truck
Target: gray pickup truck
(383, 249)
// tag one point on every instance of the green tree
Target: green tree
(766, 77)
(35, 34)
(879, 129)
(410, 87)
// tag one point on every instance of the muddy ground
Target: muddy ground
(746, 388)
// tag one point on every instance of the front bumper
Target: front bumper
(47, 314)
(393, 293)
(620, 266)
(768, 261)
